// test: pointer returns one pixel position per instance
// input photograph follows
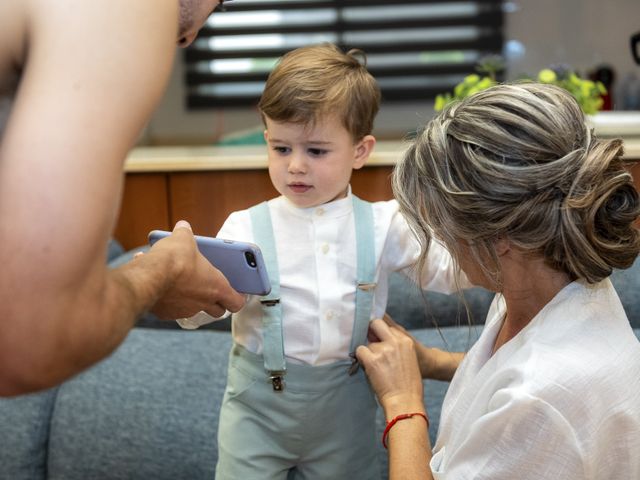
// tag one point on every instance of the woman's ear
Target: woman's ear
(362, 151)
(503, 245)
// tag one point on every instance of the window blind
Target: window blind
(414, 49)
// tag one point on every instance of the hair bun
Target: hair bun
(599, 215)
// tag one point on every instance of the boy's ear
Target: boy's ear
(266, 135)
(363, 149)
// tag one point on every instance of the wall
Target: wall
(582, 33)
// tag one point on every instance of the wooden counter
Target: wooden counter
(205, 184)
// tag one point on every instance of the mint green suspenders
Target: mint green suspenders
(274, 361)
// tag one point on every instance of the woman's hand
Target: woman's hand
(392, 367)
(435, 364)
(391, 364)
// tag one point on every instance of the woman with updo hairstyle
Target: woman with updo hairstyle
(536, 208)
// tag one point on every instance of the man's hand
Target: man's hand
(196, 285)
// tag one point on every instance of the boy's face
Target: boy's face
(312, 165)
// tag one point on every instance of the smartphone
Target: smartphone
(241, 262)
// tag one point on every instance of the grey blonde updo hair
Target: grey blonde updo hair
(518, 162)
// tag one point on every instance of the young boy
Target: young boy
(295, 405)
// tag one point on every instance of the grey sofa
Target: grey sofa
(150, 410)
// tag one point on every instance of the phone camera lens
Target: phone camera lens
(251, 259)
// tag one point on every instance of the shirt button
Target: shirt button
(325, 248)
(329, 315)
(320, 212)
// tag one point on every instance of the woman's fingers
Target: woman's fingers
(364, 355)
(392, 323)
(380, 329)
(387, 318)
(391, 364)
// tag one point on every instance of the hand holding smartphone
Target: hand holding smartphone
(240, 262)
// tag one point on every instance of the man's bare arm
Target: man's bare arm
(94, 73)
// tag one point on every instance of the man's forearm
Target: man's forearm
(63, 332)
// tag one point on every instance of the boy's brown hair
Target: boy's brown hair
(318, 80)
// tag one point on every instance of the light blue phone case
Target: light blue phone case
(241, 262)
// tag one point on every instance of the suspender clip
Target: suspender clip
(367, 286)
(355, 364)
(276, 377)
(270, 302)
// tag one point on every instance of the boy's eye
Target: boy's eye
(281, 149)
(317, 152)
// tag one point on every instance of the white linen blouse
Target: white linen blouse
(561, 400)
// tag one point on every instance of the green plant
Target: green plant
(587, 92)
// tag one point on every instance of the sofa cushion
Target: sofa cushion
(148, 411)
(413, 308)
(24, 427)
(627, 285)
(151, 409)
(114, 250)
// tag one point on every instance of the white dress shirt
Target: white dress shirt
(561, 400)
(316, 251)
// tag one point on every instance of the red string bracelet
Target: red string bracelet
(396, 419)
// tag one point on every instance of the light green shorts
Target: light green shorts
(322, 426)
